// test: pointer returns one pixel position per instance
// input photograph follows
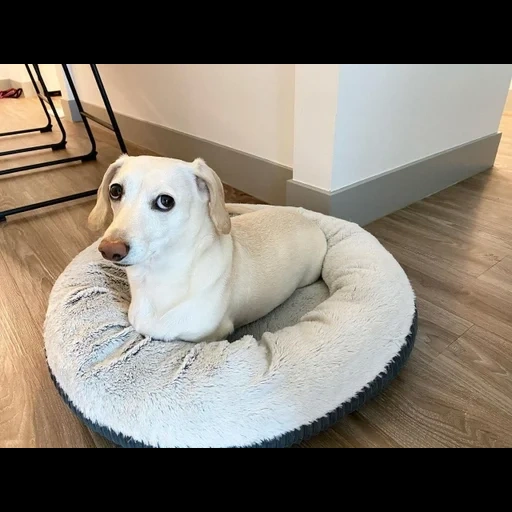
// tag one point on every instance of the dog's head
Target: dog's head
(154, 203)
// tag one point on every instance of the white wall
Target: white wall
(18, 72)
(390, 115)
(50, 76)
(63, 83)
(248, 107)
(316, 99)
(335, 124)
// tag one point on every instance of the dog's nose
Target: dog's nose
(113, 250)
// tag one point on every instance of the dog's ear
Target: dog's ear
(99, 215)
(209, 183)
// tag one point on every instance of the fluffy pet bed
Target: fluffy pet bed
(319, 356)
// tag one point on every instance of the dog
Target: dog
(195, 273)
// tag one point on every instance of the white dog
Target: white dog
(195, 274)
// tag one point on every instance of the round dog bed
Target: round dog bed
(319, 356)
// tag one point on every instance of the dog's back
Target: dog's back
(276, 251)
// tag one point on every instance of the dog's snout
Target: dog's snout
(114, 250)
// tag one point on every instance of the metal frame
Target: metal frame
(45, 96)
(42, 98)
(43, 129)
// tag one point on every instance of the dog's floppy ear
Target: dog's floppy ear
(207, 177)
(99, 214)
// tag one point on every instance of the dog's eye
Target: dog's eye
(164, 203)
(116, 191)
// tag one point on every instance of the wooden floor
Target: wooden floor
(456, 247)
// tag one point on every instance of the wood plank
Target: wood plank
(450, 248)
(437, 328)
(500, 275)
(453, 216)
(441, 404)
(31, 412)
(471, 299)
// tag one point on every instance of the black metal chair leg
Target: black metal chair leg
(45, 96)
(108, 106)
(113, 126)
(87, 127)
(48, 127)
(42, 129)
(43, 204)
(91, 155)
(54, 146)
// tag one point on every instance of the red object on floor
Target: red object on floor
(11, 93)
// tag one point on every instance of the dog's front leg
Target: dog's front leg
(194, 321)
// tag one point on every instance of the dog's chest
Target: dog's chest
(152, 316)
(153, 298)
(177, 312)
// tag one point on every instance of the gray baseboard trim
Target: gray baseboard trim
(5, 83)
(70, 109)
(260, 178)
(312, 198)
(28, 88)
(377, 197)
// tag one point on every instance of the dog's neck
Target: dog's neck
(181, 271)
